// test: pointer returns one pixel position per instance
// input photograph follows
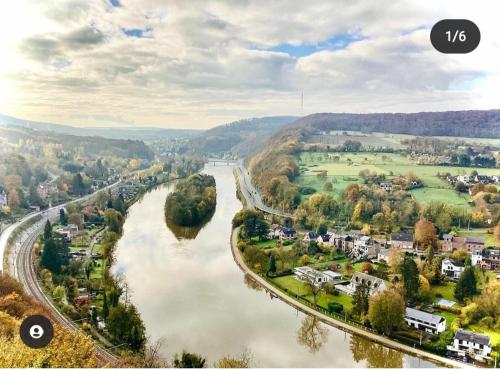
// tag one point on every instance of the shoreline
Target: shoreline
(275, 292)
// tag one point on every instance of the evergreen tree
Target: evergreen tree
(272, 264)
(34, 198)
(63, 218)
(360, 299)
(411, 282)
(105, 307)
(77, 185)
(466, 285)
(50, 256)
(47, 231)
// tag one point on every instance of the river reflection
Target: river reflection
(191, 293)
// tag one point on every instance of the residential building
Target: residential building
(483, 179)
(288, 234)
(490, 259)
(383, 255)
(310, 275)
(69, 231)
(452, 269)
(332, 276)
(365, 248)
(472, 245)
(402, 240)
(374, 284)
(463, 178)
(275, 231)
(465, 343)
(386, 186)
(342, 241)
(423, 321)
(322, 239)
(310, 236)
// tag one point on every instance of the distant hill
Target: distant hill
(469, 123)
(93, 146)
(108, 132)
(240, 137)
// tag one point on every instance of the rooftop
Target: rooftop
(402, 236)
(472, 337)
(423, 316)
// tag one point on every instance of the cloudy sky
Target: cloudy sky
(196, 64)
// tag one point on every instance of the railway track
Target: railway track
(26, 274)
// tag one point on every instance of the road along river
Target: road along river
(191, 293)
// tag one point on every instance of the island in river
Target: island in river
(191, 205)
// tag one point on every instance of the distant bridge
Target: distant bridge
(216, 161)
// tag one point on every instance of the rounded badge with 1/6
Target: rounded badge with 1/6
(36, 331)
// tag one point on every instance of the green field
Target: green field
(297, 287)
(446, 290)
(343, 169)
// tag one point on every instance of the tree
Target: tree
(76, 219)
(125, 325)
(466, 285)
(313, 289)
(360, 299)
(242, 361)
(396, 257)
(367, 267)
(497, 232)
(105, 307)
(50, 256)
(13, 200)
(33, 197)
(272, 264)
(63, 218)
(189, 360)
(328, 186)
(47, 230)
(425, 233)
(411, 281)
(113, 220)
(386, 311)
(77, 185)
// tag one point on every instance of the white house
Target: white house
(463, 178)
(386, 186)
(310, 275)
(431, 323)
(332, 276)
(288, 234)
(452, 269)
(310, 236)
(374, 284)
(323, 239)
(364, 247)
(470, 344)
(383, 255)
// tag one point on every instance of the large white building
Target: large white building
(423, 321)
(476, 346)
(452, 269)
(316, 277)
(373, 283)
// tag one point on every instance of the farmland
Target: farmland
(343, 169)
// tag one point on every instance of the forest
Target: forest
(192, 202)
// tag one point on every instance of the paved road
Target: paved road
(275, 292)
(251, 194)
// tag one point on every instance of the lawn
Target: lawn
(267, 244)
(344, 168)
(450, 317)
(297, 287)
(489, 238)
(492, 333)
(445, 290)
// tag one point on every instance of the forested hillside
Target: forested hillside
(90, 145)
(470, 123)
(240, 137)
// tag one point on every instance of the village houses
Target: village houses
(452, 269)
(375, 284)
(402, 240)
(426, 322)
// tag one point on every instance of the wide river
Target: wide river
(192, 294)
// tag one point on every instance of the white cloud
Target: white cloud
(203, 64)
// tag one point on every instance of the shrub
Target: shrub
(335, 307)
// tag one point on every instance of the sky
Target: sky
(198, 64)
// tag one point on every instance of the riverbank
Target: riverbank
(275, 292)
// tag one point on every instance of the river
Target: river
(192, 294)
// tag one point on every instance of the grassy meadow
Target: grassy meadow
(343, 169)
